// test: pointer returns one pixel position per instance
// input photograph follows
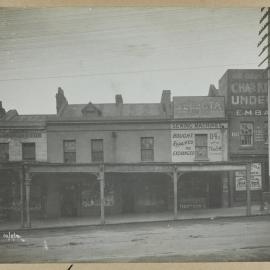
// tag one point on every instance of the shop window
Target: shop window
(69, 151)
(97, 150)
(201, 151)
(147, 148)
(28, 151)
(265, 133)
(4, 151)
(246, 134)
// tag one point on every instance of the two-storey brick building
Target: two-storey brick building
(117, 158)
(23, 140)
(245, 93)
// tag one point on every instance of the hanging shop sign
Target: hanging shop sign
(20, 133)
(255, 181)
(193, 107)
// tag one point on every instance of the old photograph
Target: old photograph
(134, 134)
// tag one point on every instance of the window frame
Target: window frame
(143, 159)
(201, 147)
(23, 155)
(4, 158)
(68, 152)
(95, 154)
(252, 134)
(265, 133)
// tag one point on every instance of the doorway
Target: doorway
(215, 191)
(127, 197)
(69, 200)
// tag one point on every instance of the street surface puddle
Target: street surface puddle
(255, 247)
(75, 244)
(138, 239)
(195, 236)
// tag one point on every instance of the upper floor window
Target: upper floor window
(28, 151)
(4, 151)
(201, 147)
(265, 133)
(147, 148)
(97, 150)
(69, 147)
(246, 134)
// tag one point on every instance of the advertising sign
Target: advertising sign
(184, 141)
(255, 181)
(20, 133)
(248, 97)
(194, 107)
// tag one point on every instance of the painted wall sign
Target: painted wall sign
(21, 133)
(248, 97)
(184, 148)
(199, 125)
(193, 107)
(256, 178)
(192, 203)
(249, 112)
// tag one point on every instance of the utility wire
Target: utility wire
(120, 73)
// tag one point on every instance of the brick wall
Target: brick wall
(15, 147)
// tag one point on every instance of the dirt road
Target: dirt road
(228, 239)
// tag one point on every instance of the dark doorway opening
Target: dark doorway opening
(200, 190)
(127, 197)
(215, 191)
(69, 200)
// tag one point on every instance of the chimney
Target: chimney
(11, 114)
(166, 101)
(118, 100)
(2, 110)
(213, 91)
(61, 100)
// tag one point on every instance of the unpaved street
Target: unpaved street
(228, 239)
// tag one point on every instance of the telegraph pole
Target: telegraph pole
(265, 32)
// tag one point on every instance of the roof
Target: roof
(113, 111)
(26, 120)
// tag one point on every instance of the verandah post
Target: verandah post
(248, 179)
(175, 197)
(101, 178)
(21, 179)
(27, 196)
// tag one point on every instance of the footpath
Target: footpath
(135, 218)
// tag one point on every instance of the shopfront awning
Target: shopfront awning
(136, 167)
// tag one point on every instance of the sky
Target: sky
(93, 53)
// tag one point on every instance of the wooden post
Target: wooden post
(225, 189)
(21, 178)
(27, 197)
(175, 197)
(101, 178)
(248, 178)
(231, 188)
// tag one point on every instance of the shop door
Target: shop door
(215, 192)
(69, 205)
(127, 197)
